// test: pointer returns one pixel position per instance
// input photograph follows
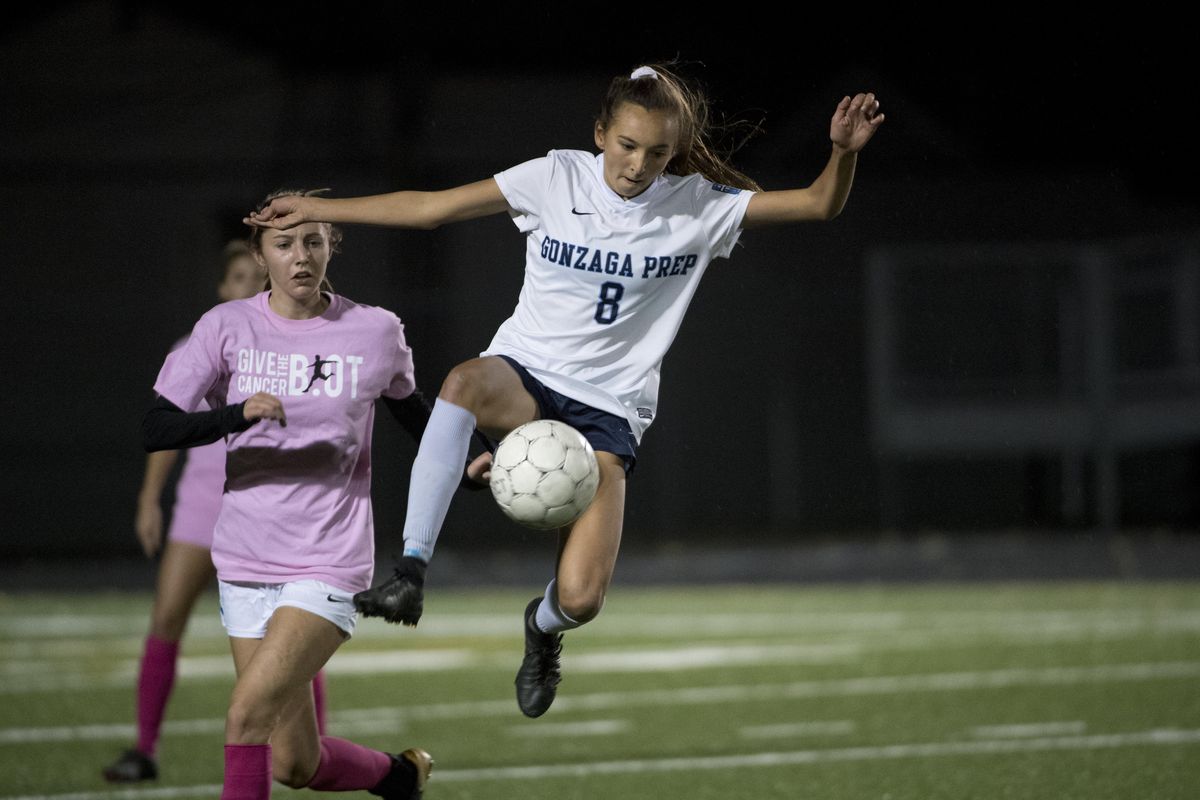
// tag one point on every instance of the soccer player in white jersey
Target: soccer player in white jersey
(289, 378)
(616, 244)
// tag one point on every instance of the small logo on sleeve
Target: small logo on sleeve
(720, 187)
(645, 413)
(574, 210)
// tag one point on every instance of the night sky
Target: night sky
(1001, 89)
(1000, 127)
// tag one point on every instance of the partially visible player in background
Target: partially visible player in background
(186, 568)
(615, 246)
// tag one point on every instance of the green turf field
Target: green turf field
(985, 691)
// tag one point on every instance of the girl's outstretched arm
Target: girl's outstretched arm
(854, 123)
(408, 209)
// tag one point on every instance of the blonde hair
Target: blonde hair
(665, 90)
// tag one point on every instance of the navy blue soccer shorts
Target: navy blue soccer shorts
(604, 431)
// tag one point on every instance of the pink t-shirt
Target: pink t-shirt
(198, 492)
(297, 500)
(198, 495)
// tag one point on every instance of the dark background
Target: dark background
(134, 136)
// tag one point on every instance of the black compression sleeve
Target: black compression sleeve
(466, 482)
(484, 442)
(166, 426)
(412, 413)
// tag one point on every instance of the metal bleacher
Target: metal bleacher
(1078, 351)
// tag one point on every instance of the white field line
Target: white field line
(770, 693)
(209, 790)
(351, 663)
(46, 677)
(1150, 738)
(69, 649)
(848, 754)
(701, 657)
(349, 723)
(833, 727)
(66, 683)
(56, 665)
(1028, 730)
(877, 631)
(597, 727)
(42, 674)
(434, 625)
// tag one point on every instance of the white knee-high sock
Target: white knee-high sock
(550, 617)
(436, 472)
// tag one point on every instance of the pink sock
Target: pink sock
(318, 686)
(346, 766)
(247, 772)
(155, 680)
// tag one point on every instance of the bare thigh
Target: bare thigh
(490, 389)
(272, 700)
(185, 571)
(587, 554)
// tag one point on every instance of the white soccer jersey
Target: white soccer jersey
(607, 280)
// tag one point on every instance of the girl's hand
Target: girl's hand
(264, 406)
(148, 525)
(480, 470)
(282, 212)
(855, 122)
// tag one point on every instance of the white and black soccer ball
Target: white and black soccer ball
(544, 474)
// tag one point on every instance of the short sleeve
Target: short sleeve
(525, 187)
(192, 370)
(723, 208)
(403, 381)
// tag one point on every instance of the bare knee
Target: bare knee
(252, 724)
(249, 722)
(168, 624)
(290, 771)
(465, 386)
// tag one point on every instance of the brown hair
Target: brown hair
(256, 233)
(695, 151)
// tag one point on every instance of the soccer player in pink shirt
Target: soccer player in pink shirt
(186, 566)
(289, 378)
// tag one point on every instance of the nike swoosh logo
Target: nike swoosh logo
(581, 213)
(332, 599)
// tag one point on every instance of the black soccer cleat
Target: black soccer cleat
(131, 767)
(539, 675)
(401, 598)
(406, 779)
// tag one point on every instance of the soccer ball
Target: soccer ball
(544, 474)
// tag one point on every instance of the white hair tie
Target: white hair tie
(643, 72)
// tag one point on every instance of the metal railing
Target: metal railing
(1080, 351)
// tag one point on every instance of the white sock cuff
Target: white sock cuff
(449, 429)
(550, 617)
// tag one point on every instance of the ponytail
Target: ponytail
(657, 87)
